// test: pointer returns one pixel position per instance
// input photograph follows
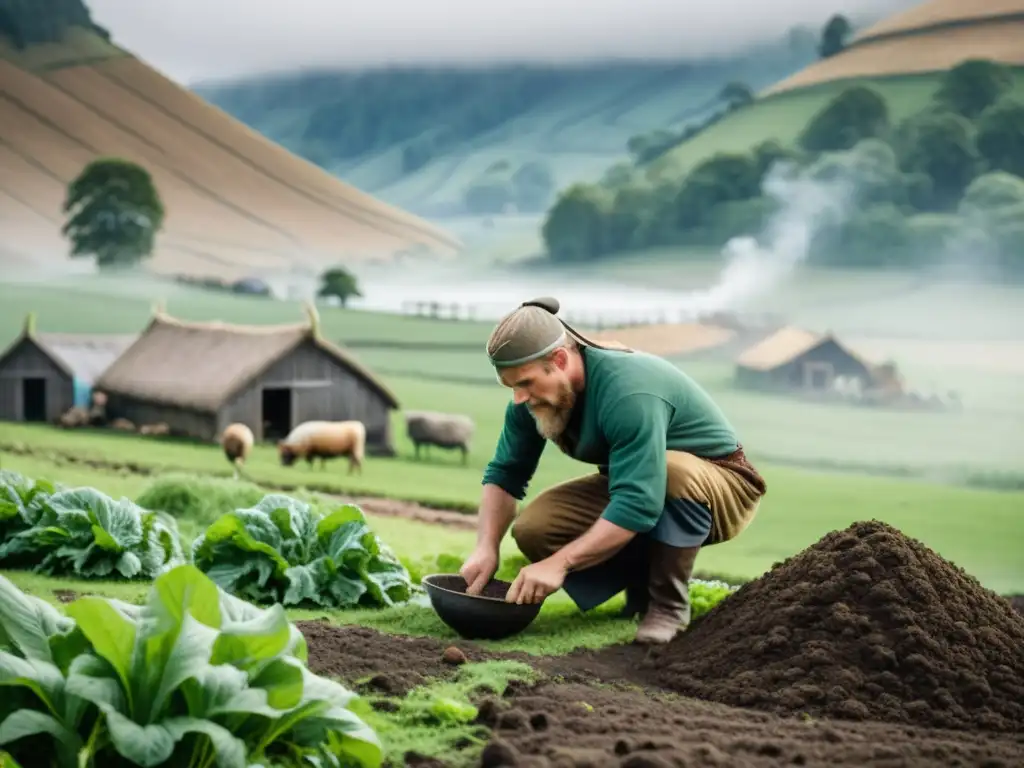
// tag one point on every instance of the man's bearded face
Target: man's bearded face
(551, 406)
(547, 391)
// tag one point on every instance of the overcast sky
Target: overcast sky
(191, 40)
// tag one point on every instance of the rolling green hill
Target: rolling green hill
(420, 138)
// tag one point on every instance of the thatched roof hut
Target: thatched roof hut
(198, 377)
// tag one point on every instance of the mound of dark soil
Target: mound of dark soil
(867, 624)
(577, 726)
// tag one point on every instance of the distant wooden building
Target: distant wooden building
(796, 359)
(40, 373)
(200, 377)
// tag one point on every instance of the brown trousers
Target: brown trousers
(729, 488)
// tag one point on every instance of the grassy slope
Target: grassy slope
(783, 117)
(580, 130)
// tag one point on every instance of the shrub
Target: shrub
(202, 499)
(84, 533)
(194, 677)
(284, 550)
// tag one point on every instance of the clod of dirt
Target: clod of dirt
(453, 656)
(499, 754)
(513, 720)
(488, 712)
(865, 624)
(412, 758)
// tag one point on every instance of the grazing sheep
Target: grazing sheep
(160, 428)
(237, 443)
(74, 417)
(445, 430)
(122, 425)
(325, 440)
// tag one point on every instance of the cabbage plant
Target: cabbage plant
(193, 678)
(22, 501)
(84, 533)
(283, 550)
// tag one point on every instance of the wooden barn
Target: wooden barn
(795, 359)
(40, 373)
(199, 377)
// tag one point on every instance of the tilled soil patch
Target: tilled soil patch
(373, 661)
(575, 725)
(578, 718)
(865, 649)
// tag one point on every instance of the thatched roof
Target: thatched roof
(784, 346)
(82, 356)
(85, 357)
(669, 339)
(202, 365)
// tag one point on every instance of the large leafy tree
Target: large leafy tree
(114, 213)
(340, 283)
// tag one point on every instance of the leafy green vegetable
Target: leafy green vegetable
(22, 501)
(194, 678)
(283, 550)
(84, 533)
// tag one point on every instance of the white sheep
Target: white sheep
(325, 440)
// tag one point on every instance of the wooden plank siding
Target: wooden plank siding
(28, 361)
(322, 389)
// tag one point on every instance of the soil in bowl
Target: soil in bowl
(484, 616)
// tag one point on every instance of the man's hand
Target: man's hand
(479, 568)
(538, 580)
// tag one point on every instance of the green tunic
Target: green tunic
(634, 408)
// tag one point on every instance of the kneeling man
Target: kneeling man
(672, 476)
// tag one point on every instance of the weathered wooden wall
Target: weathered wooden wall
(322, 389)
(28, 361)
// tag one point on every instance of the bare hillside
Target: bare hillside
(942, 12)
(237, 203)
(935, 50)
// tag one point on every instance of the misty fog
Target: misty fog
(193, 40)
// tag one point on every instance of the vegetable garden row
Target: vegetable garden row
(282, 550)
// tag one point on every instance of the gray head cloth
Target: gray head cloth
(529, 332)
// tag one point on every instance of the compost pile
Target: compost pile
(867, 624)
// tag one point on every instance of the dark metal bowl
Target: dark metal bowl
(486, 616)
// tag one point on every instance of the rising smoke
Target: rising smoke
(757, 266)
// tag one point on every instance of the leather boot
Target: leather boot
(669, 589)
